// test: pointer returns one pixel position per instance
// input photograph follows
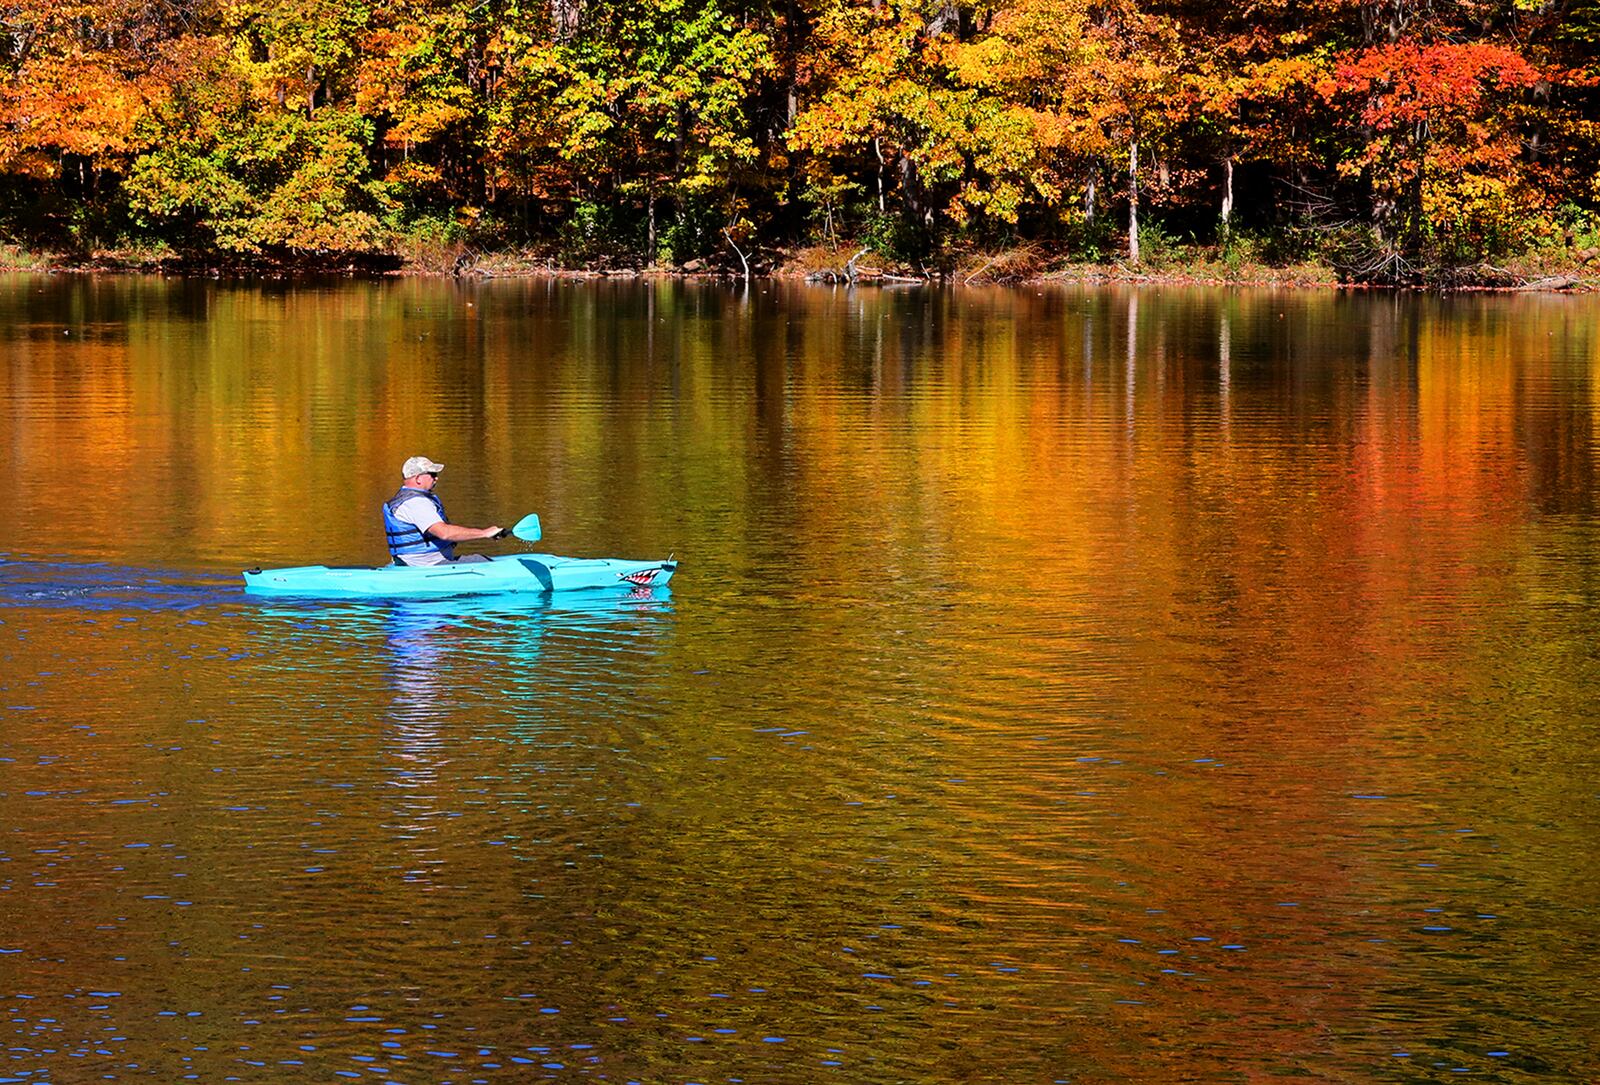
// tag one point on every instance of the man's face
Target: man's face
(425, 480)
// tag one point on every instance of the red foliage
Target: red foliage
(1408, 82)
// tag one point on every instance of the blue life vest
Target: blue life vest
(408, 540)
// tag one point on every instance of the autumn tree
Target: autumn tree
(1447, 177)
(881, 96)
(644, 102)
(76, 80)
(239, 161)
(428, 76)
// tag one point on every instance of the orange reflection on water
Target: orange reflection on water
(1106, 684)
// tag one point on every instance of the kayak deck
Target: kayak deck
(509, 573)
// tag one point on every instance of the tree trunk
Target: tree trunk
(946, 20)
(1133, 202)
(1227, 199)
(1537, 139)
(680, 143)
(1089, 196)
(566, 16)
(740, 251)
(877, 148)
(650, 257)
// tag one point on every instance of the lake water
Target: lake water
(1106, 685)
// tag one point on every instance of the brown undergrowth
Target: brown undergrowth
(1553, 269)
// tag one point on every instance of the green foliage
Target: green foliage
(1157, 247)
(428, 228)
(694, 231)
(590, 234)
(647, 102)
(1294, 242)
(1580, 226)
(225, 170)
(279, 181)
(1089, 240)
(829, 196)
(900, 238)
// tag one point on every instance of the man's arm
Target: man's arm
(460, 533)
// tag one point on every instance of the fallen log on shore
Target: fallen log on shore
(847, 274)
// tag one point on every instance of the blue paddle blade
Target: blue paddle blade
(527, 528)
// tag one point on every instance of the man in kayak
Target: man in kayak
(414, 520)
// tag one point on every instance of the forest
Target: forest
(1399, 141)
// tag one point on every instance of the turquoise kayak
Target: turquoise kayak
(511, 573)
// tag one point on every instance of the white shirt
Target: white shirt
(421, 513)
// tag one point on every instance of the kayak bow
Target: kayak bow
(510, 573)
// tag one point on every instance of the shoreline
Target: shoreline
(1565, 278)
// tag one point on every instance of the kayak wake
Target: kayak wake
(102, 586)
